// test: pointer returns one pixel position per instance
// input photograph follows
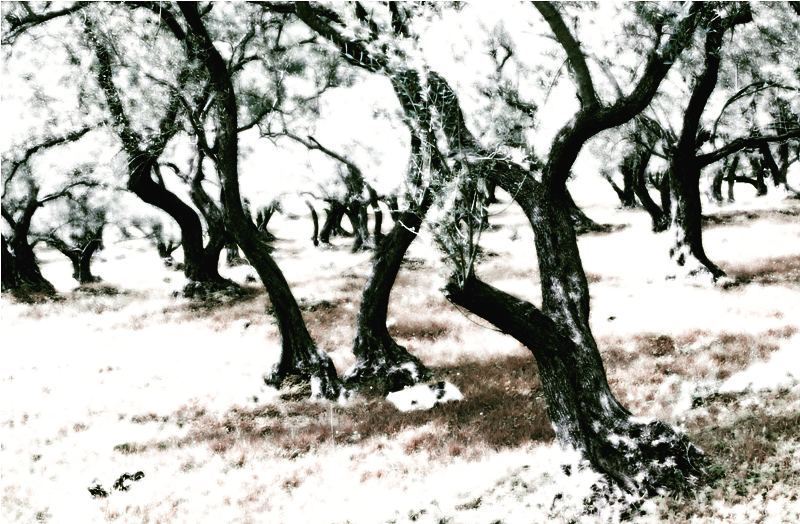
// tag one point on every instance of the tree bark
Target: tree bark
(23, 274)
(315, 222)
(381, 363)
(300, 360)
(581, 406)
(333, 219)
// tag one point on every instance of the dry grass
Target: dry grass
(503, 408)
(638, 369)
(770, 271)
(727, 218)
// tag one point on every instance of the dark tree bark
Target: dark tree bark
(24, 275)
(583, 224)
(79, 254)
(356, 212)
(585, 413)
(143, 171)
(333, 220)
(381, 363)
(21, 272)
(627, 193)
(300, 359)
(377, 229)
(687, 250)
(636, 164)
(315, 221)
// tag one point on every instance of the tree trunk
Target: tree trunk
(639, 456)
(141, 183)
(583, 224)
(758, 176)
(83, 267)
(7, 266)
(687, 250)
(378, 214)
(23, 274)
(381, 363)
(315, 221)
(357, 214)
(333, 220)
(300, 360)
(658, 216)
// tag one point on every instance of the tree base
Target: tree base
(315, 379)
(647, 458)
(383, 366)
(213, 289)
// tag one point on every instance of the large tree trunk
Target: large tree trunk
(381, 363)
(300, 360)
(639, 456)
(22, 273)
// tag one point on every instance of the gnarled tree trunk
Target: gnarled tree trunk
(381, 363)
(639, 456)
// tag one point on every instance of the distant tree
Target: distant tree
(21, 199)
(686, 159)
(78, 233)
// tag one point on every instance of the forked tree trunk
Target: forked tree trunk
(82, 262)
(333, 220)
(381, 363)
(300, 360)
(758, 176)
(639, 456)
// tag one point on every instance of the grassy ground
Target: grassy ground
(99, 384)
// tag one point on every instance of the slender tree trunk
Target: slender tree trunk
(658, 216)
(687, 250)
(378, 214)
(300, 360)
(315, 221)
(381, 363)
(758, 176)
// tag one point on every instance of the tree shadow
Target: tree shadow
(502, 408)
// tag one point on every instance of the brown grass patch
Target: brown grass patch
(503, 407)
(637, 373)
(726, 218)
(420, 328)
(768, 271)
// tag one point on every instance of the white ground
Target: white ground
(76, 375)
